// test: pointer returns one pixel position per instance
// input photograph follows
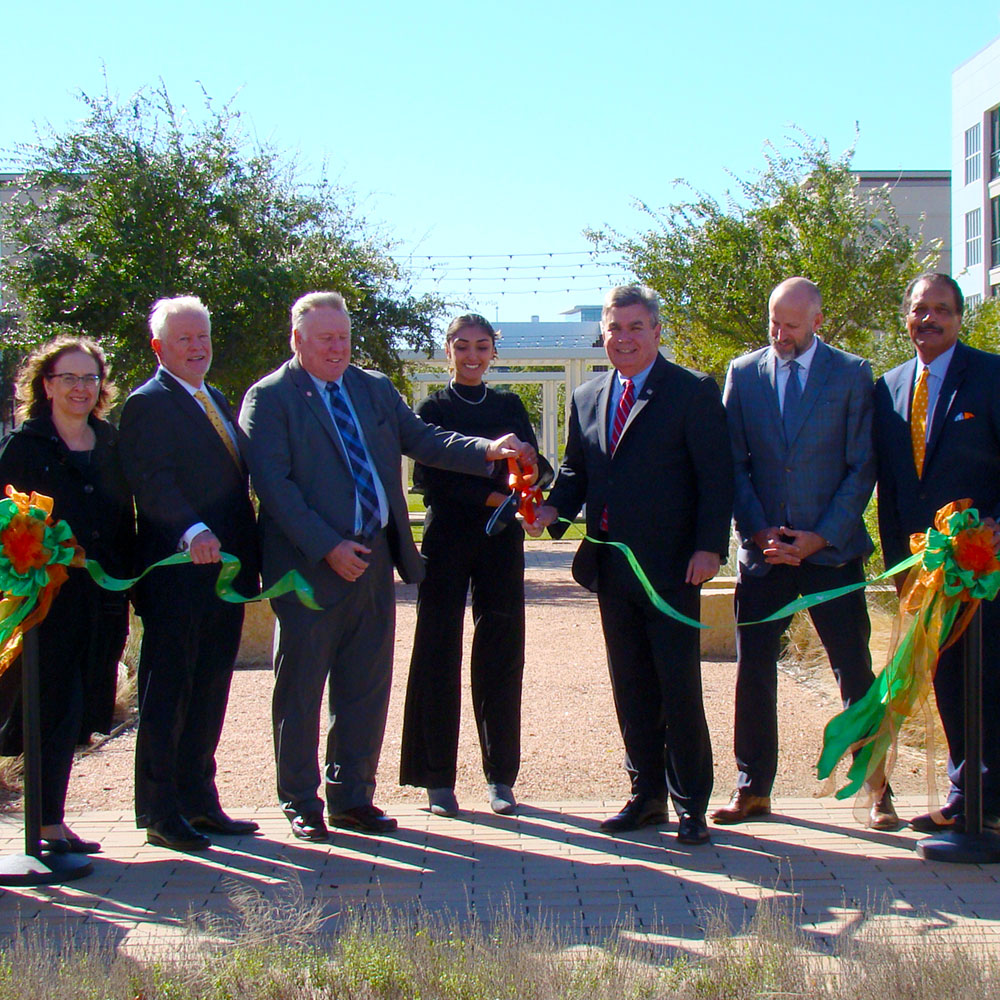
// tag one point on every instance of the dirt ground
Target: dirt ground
(571, 748)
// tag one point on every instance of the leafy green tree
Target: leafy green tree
(714, 264)
(139, 201)
(981, 326)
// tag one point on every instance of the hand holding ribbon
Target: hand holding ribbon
(36, 550)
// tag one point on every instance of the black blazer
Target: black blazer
(669, 486)
(181, 473)
(963, 450)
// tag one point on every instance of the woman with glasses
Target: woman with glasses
(64, 450)
(460, 554)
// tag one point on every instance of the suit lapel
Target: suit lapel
(603, 416)
(200, 425)
(902, 390)
(768, 369)
(953, 379)
(306, 387)
(649, 389)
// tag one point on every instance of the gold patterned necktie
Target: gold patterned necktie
(216, 421)
(918, 423)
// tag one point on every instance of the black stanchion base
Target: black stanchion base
(962, 848)
(49, 869)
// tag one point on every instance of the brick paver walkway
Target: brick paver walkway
(549, 861)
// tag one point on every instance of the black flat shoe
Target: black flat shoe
(55, 845)
(216, 821)
(77, 845)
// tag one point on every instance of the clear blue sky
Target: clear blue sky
(468, 128)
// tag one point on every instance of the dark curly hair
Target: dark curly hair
(29, 390)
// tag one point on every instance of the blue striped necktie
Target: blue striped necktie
(364, 481)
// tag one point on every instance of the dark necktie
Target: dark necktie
(793, 397)
(364, 481)
(624, 408)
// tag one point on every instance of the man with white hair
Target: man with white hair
(324, 441)
(180, 454)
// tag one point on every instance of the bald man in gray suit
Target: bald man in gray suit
(800, 425)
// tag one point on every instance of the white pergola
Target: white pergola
(568, 366)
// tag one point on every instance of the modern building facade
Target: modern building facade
(922, 200)
(975, 157)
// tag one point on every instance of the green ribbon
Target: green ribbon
(799, 604)
(291, 582)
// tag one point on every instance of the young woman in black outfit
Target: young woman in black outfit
(460, 554)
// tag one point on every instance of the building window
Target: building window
(973, 147)
(974, 237)
(973, 302)
(994, 144)
(995, 232)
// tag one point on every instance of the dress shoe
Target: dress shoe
(692, 829)
(883, 813)
(177, 834)
(954, 822)
(55, 845)
(310, 826)
(442, 801)
(216, 821)
(951, 820)
(636, 813)
(77, 845)
(743, 805)
(71, 844)
(368, 818)
(501, 798)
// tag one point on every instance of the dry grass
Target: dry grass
(284, 948)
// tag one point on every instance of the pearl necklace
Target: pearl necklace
(471, 402)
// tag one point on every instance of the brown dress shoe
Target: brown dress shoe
(743, 806)
(883, 813)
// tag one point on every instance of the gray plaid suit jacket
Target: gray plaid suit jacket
(822, 478)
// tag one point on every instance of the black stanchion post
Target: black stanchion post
(972, 845)
(36, 867)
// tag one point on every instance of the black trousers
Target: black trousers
(655, 666)
(189, 644)
(844, 630)
(949, 690)
(79, 642)
(494, 567)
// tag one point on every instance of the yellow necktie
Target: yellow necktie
(220, 429)
(918, 423)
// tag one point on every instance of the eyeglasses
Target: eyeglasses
(70, 381)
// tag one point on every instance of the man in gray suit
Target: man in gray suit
(323, 441)
(800, 424)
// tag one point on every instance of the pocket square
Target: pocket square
(964, 415)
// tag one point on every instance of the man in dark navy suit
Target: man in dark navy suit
(180, 452)
(937, 439)
(648, 453)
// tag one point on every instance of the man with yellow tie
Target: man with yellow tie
(937, 437)
(179, 451)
